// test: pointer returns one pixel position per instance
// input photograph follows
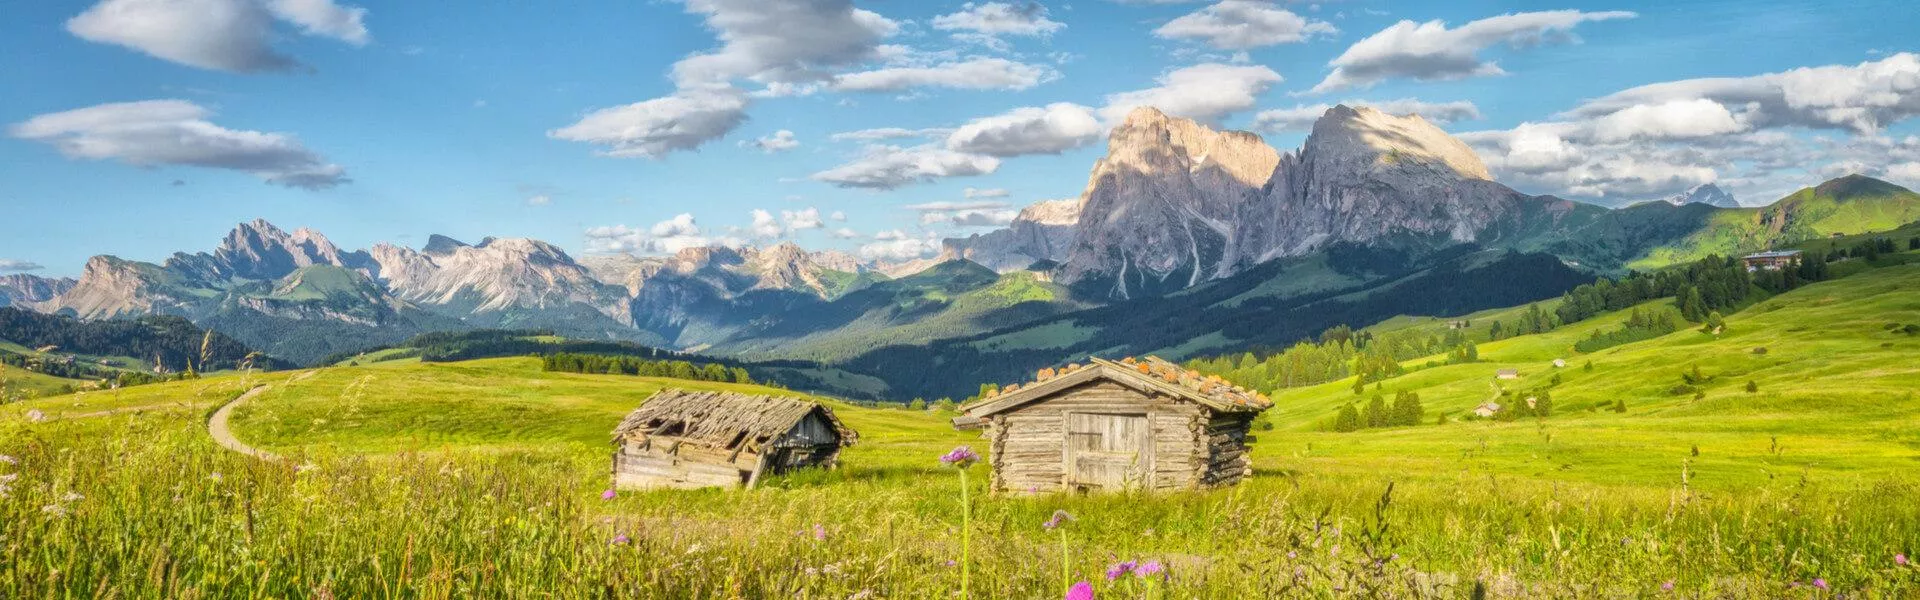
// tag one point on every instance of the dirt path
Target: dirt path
(217, 426)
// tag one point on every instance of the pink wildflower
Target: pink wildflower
(607, 495)
(819, 532)
(621, 539)
(1121, 568)
(1667, 587)
(1080, 591)
(1900, 559)
(1149, 569)
(961, 457)
(1820, 583)
(1060, 517)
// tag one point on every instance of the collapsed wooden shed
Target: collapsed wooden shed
(692, 439)
(1135, 424)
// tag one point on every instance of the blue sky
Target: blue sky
(142, 127)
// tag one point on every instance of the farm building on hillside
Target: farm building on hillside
(1108, 425)
(1487, 409)
(1507, 374)
(1771, 260)
(689, 439)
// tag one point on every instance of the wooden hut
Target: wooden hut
(690, 439)
(1146, 424)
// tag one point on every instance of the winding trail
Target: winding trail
(217, 426)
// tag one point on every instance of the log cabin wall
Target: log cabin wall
(664, 462)
(1028, 444)
(1230, 458)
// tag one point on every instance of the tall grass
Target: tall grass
(155, 511)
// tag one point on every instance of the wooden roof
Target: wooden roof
(723, 419)
(1151, 375)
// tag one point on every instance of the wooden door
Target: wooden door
(1108, 451)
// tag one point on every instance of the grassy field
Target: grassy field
(484, 478)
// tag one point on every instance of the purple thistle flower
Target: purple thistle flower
(1080, 591)
(961, 457)
(1060, 517)
(1121, 568)
(1820, 583)
(1667, 587)
(1149, 569)
(1900, 559)
(621, 539)
(607, 495)
(819, 532)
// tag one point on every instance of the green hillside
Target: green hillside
(1849, 205)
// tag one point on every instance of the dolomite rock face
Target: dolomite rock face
(111, 287)
(1175, 203)
(25, 290)
(1043, 231)
(1159, 210)
(496, 275)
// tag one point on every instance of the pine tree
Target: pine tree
(1753, 387)
(1349, 419)
(1620, 405)
(1377, 412)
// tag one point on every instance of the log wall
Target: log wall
(1027, 444)
(644, 462)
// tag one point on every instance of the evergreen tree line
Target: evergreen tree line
(1640, 325)
(567, 362)
(171, 342)
(1710, 284)
(1337, 353)
(1405, 410)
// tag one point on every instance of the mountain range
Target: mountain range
(1220, 240)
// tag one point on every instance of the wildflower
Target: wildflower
(819, 532)
(1900, 559)
(71, 496)
(961, 457)
(1149, 569)
(1667, 587)
(9, 459)
(1121, 568)
(1060, 517)
(694, 549)
(55, 510)
(1080, 591)
(621, 539)
(1820, 583)
(607, 495)
(35, 416)
(215, 476)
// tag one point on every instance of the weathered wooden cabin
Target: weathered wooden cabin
(1134, 424)
(690, 439)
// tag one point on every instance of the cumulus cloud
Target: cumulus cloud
(1432, 52)
(889, 167)
(1757, 136)
(154, 133)
(764, 225)
(999, 18)
(1243, 24)
(1301, 117)
(223, 35)
(970, 74)
(1205, 92)
(654, 128)
(669, 236)
(780, 141)
(787, 47)
(1862, 98)
(797, 220)
(838, 216)
(897, 245)
(8, 265)
(1052, 129)
(845, 233)
(539, 200)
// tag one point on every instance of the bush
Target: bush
(1761, 350)
(1753, 387)
(1682, 390)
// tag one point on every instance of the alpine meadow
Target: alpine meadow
(857, 300)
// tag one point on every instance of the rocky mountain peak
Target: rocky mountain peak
(440, 245)
(1705, 193)
(1361, 139)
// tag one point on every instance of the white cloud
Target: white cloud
(999, 18)
(11, 265)
(888, 133)
(1431, 52)
(669, 236)
(764, 225)
(972, 192)
(1302, 117)
(175, 132)
(970, 218)
(1205, 92)
(845, 233)
(1053, 129)
(838, 216)
(1243, 24)
(654, 128)
(945, 205)
(1675, 119)
(889, 167)
(224, 35)
(539, 200)
(797, 220)
(780, 141)
(786, 47)
(971, 74)
(1861, 98)
(898, 246)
